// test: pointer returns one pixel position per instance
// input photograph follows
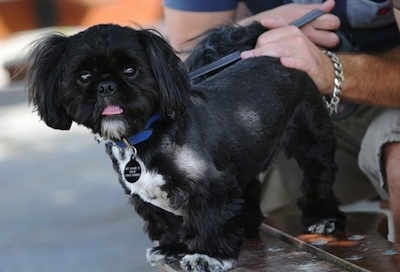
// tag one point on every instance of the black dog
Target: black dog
(189, 154)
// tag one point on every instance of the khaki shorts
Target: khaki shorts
(384, 129)
(360, 139)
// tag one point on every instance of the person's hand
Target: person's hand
(296, 51)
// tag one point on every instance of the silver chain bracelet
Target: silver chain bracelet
(333, 104)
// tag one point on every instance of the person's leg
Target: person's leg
(379, 159)
(391, 159)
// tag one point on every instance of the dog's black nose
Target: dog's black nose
(106, 87)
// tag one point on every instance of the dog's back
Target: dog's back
(255, 94)
(248, 107)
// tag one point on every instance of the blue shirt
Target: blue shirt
(369, 24)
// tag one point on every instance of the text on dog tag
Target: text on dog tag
(132, 171)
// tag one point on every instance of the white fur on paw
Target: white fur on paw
(154, 257)
(323, 227)
(205, 263)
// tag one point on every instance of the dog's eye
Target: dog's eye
(84, 76)
(130, 71)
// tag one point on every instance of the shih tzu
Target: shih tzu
(189, 154)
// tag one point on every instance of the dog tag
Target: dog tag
(132, 171)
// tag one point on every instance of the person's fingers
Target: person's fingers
(271, 50)
(275, 22)
(276, 34)
(327, 6)
(320, 32)
(322, 38)
(327, 21)
(278, 43)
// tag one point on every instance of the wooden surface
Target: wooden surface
(282, 247)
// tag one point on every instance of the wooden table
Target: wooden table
(283, 247)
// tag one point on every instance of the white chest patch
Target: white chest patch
(190, 163)
(148, 185)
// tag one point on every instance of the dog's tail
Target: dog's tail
(221, 41)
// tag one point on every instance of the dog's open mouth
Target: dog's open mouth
(112, 110)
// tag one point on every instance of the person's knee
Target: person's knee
(391, 158)
(380, 147)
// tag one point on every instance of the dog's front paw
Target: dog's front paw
(205, 263)
(164, 255)
(155, 257)
(325, 226)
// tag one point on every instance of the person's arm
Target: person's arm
(185, 25)
(368, 78)
(372, 79)
(319, 30)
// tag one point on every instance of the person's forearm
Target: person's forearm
(372, 79)
(182, 26)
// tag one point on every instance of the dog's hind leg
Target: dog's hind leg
(311, 141)
(252, 213)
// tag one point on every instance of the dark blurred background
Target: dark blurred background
(18, 15)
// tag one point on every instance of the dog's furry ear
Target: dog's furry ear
(169, 71)
(42, 71)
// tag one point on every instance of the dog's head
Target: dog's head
(108, 78)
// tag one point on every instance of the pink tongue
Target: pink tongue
(112, 110)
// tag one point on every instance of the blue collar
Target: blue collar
(141, 136)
